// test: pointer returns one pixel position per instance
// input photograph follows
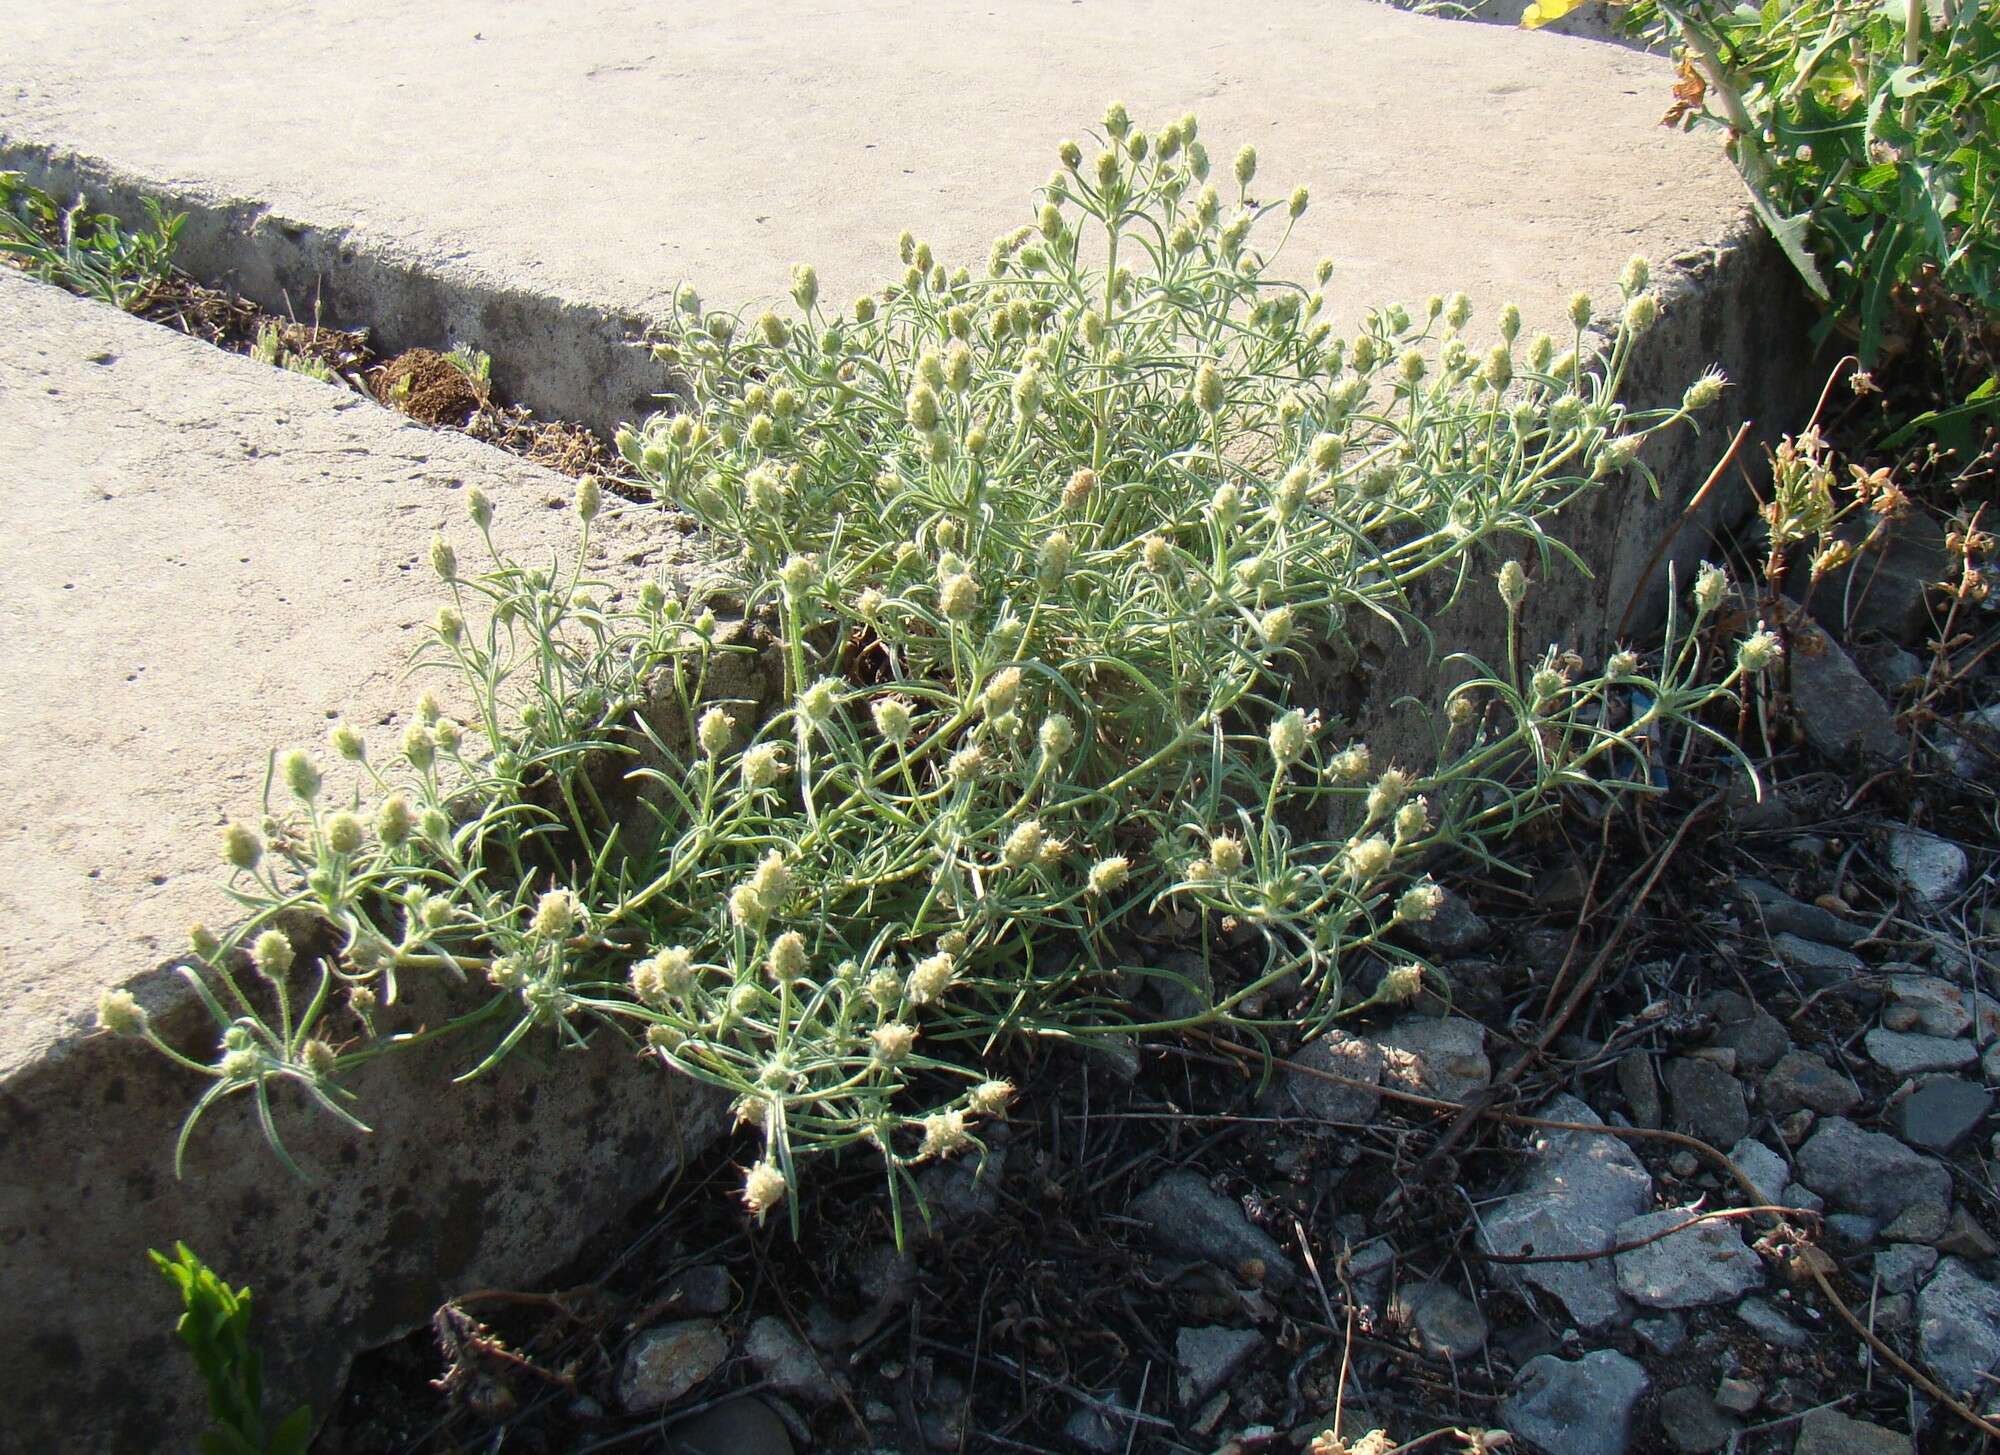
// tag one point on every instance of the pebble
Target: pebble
(1929, 869)
(1576, 1190)
(1927, 1003)
(1905, 1053)
(1900, 1267)
(1738, 1396)
(1692, 1421)
(1802, 1080)
(1958, 1327)
(1707, 1263)
(1765, 1169)
(1829, 1432)
(739, 1427)
(1580, 1407)
(1782, 913)
(1662, 1332)
(1189, 1217)
(1706, 1100)
(1768, 1322)
(1207, 1357)
(1343, 1055)
(664, 1363)
(1436, 1056)
(1963, 1237)
(788, 1364)
(1089, 1428)
(1445, 1321)
(1820, 966)
(1841, 714)
(1455, 928)
(1641, 1088)
(1753, 1033)
(1941, 1113)
(1870, 1172)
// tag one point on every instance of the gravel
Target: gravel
(1870, 1172)
(1958, 1327)
(1187, 1216)
(663, 1364)
(1576, 1407)
(1905, 1053)
(1705, 1264)
(1942, 1113)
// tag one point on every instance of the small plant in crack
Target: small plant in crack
(91, 253)
(1039, 555)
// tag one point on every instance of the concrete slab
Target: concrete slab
(204, 559)
(597, 153)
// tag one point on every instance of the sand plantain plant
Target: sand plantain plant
(1040, 552)
(215, 1326)
(87, 252)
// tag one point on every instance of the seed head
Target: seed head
(1579, 309)
(241, 1063)
(931, 978)
(1078, 490)
(1027, 392)
(1057, 735)
(320, 1060)
(714, 731)
(121, 1014)
(1498, 371)
(892, 718)
(1225, 504)
(921, 408)
(1226, 854)
(300, 775)
(1157, 552)
(893, 1041)
(1621, 665)
(1389, 790)
(958, 596)
(272, 953)
(203, 942)
(817, 702)
(435, 825)
(1412, 366)
(344, 833)
(1070, 155)
(885, 989)
(773, 881)
(1513, 585)
(1296, 207)
(1245, 166)
(764, 1187)
(1638, 273)
(1002, 690)
(393, 820)
(557, 915)
(1207, 392)
(1351, 764)
(420, 746)
(347, 743)
(763, 765)
(1275, 626)
(1023, 845)
(746, 907)
(444, 560)
(805, 286)
(1642, 311)
(787, 960)
(1710, 585)
(1401, 985)
(990, 1098)
(241, 847)
(864, 309)
(966, 763)
(1413, 819)
(1106, 875)
(1052, 559)
(1366, 859)
(664, 976)
(1704, 391)
(1758, 651)
(1419, 903)
(589, 499)
(944, 1134)
(1288, 737)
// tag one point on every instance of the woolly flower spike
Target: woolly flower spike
(1758, 651)
(1057, 735)
(1367, 858)
(393, 820)
(714, 730)
(479, 505)
(272, 953)
(344, 833)
(297, 769)
(1638, 273)
(1024, 845)
(420, 746)
(764, 1187)
(1389, 790)
(662, 976)
(818, 701)
(589, 499)
(805, 286)
(763, 765)
(958, 596)
(1352, 763)
(1225, 853)
(1621, 665)
(1642, 312)
(966, 763)
(1413, 819)
(1156, 551)
(1709, 587)
(1053, 558)
(1207, 391)
(1002, 689)
(1402, 984)
(990, 1098)
(346, 743)
(931, 978)
(1297, 205)
(1513, 585)
(557, 915)
(1288, 737)
(746, 906)
(321, 1060)
(1705, 390)
(772, 882)
(119, 1013)
(444, 560)
(241, 847)
(1419, 903)
(787, 960)
(944, 1134)
(892, 718)
(1246, 165)
(1106, 875)
(1078, 490)
(1276, 626)
(893, 1041)
(1579, 309)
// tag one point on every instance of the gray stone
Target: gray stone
(1580, 1407)
(1941, 1113)
(1706, 1100)
(1207, 1357)
(1888, 590)
(1820, 966)
(1769, 1323)
(1692, 1421)
(1929, 869)
(1454, 929)
(784, 1360)
(1889, 667)
(1663, 1333)
(1369, 1268)
(1752, 1032)
(1802, 1079)
(1963, 1237)
(1798, 1196)
(1958, 1328)
(1970, 743)
(1576, 1190)
(1189, 1217)
(1738, 1396)
(739, 1427)
(662, 1365)
(1090, 1428)
(1707, 1263)
(1343, 1055)
(1829, 1432)
(1904, 1053)
(1900, 1267)
(1923, 1221)
(1782, 913)
(1927, 1003)
(1446, 1322)
(1869, 1172)
(1843, 716)
(1641, 1088)
(1436, 1056)
(1765, 1168)
(704, 1289)
(1853, 1232)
